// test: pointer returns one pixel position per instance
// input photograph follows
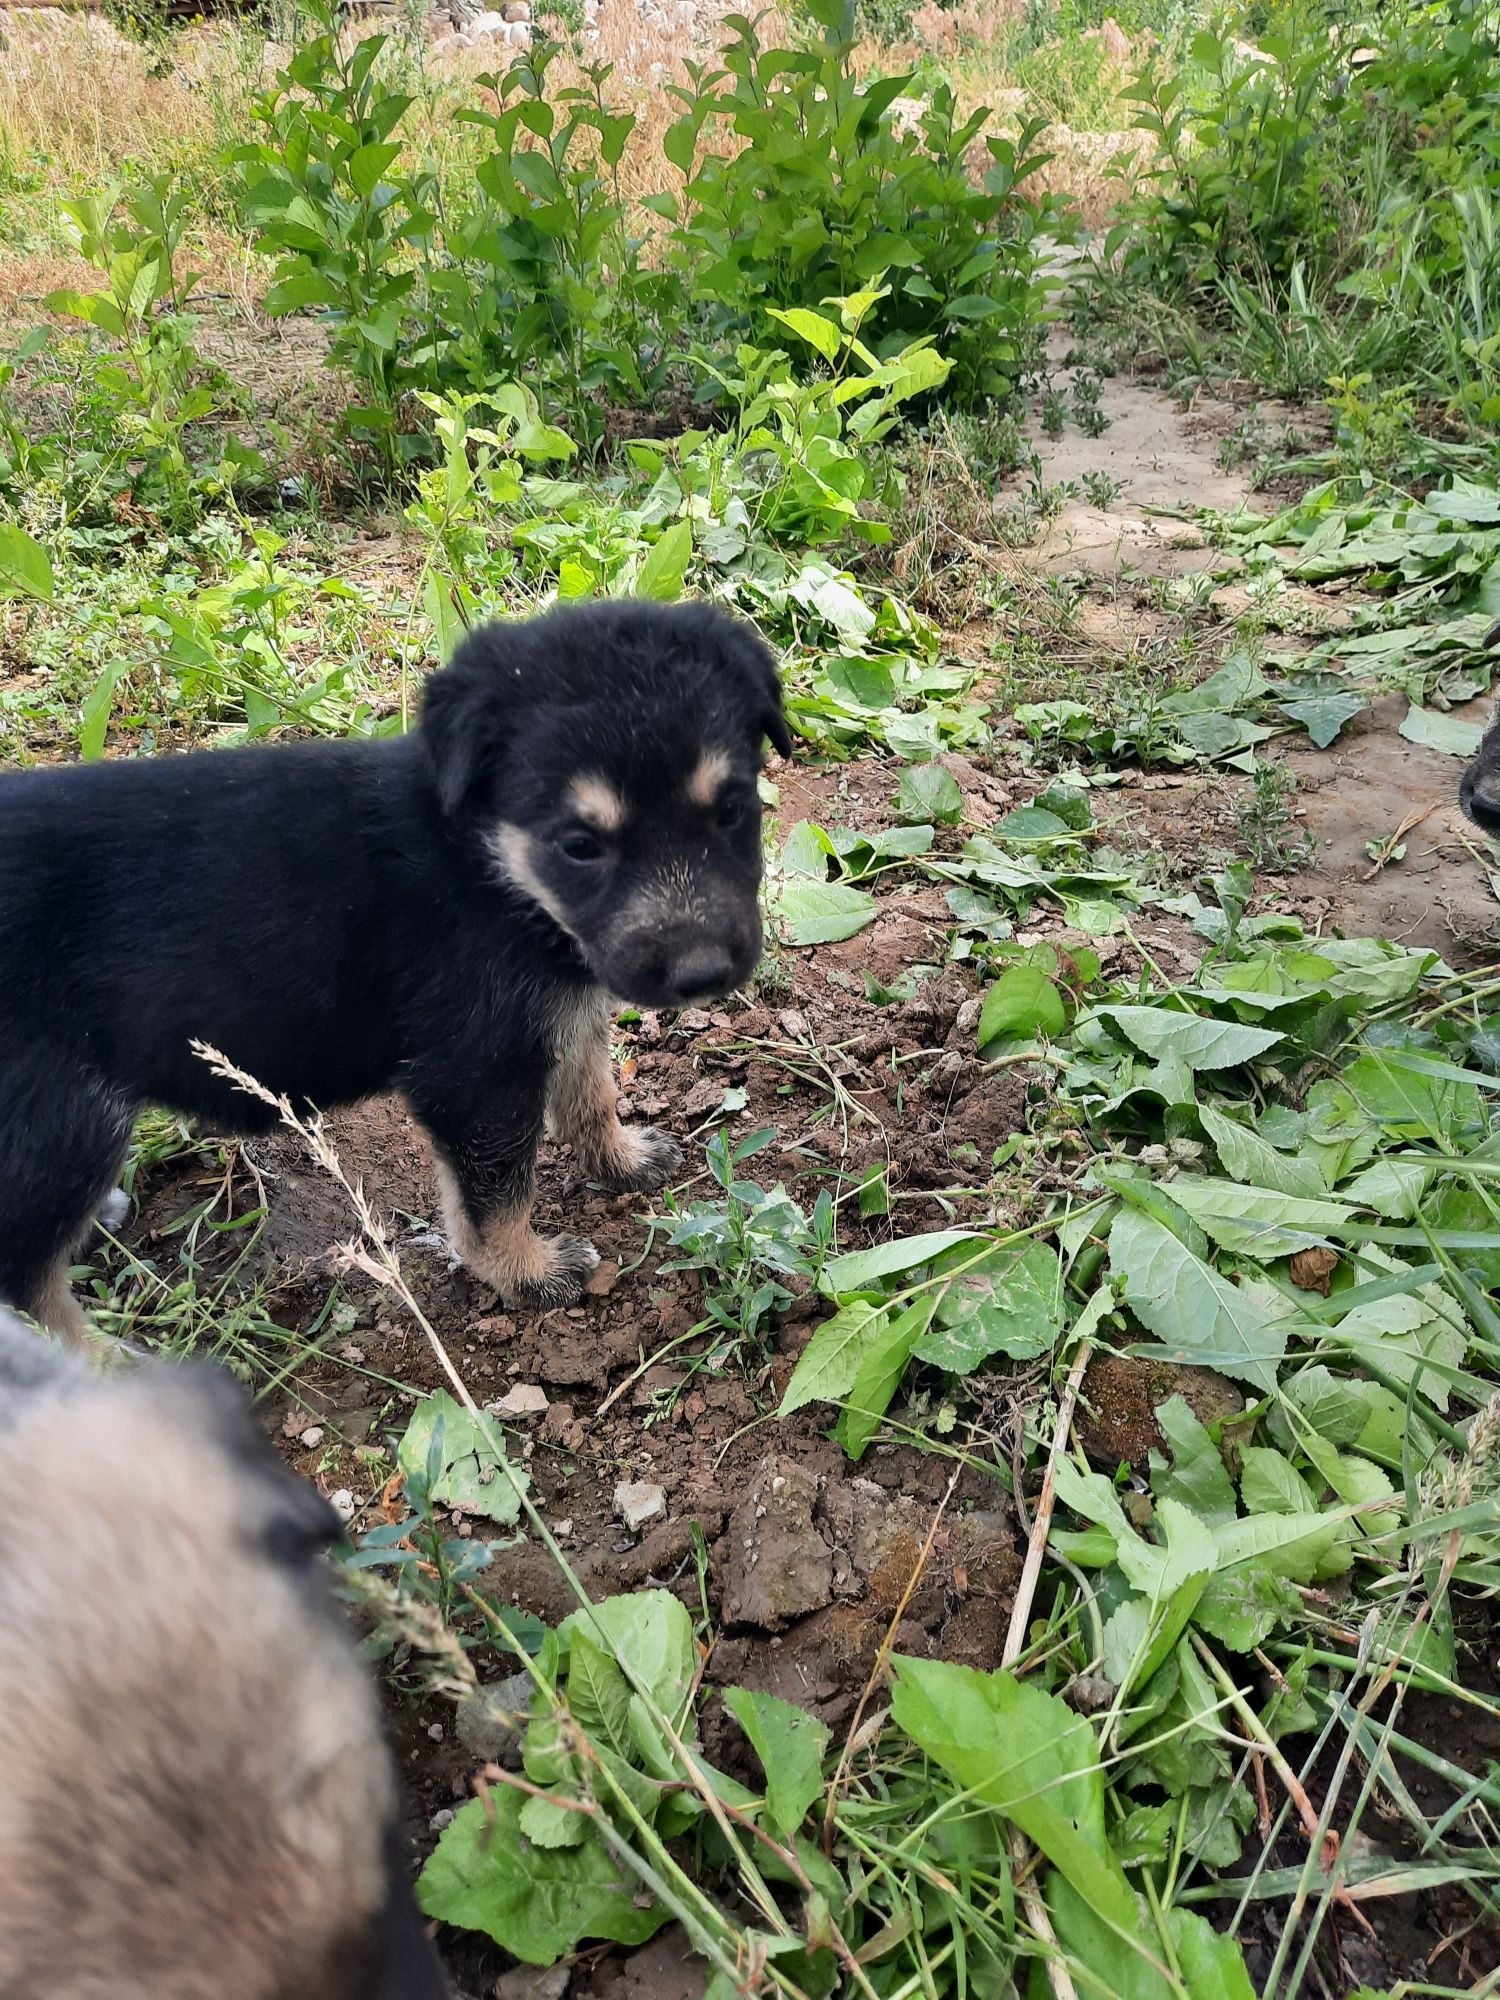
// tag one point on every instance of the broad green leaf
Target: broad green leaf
(651, 1633)
(1246, 1156)
(1125, 1968)
(858, 1269)
(790, 1744)
(1212, 1964)
(1324, 715)
(93, 714)
(368, 163)
(1270, 1484)
(536, 1902)
(1393, 1188)
(666, 562)
(1022, 1001)
(1289, 1545)
(24, 564)
(554, 1823)
(1436, 731)
(812, 327)
(1199, 1316)
(880, 1370)
(824, 912)
(472, 1477)
(1193, 1039)
(830, 1362)
(1025, 1753)
(1240, 1607)
(928, 792)
(1393, 1088)
(1257, 1220)
(1173, 1581)
(1197, 1476)
(1008, 1302)
(1332, 1406)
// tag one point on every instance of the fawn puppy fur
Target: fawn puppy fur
(447, 913)
(195, 1800)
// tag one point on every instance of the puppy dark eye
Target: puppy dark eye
(578, 844)
(731, 813)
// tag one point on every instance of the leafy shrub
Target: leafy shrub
(150, 383)
(821, 196)
(1337, 172)
(318, 188)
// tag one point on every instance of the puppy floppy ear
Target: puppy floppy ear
(466, 712)
(755, 663)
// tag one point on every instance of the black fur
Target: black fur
(333, 916)
(1479, 791)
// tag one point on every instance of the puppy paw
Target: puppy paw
(113, 1210)
(558, 1276)
(647, 1160)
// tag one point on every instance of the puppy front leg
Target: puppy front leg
(486, 1183)
(584, 1109)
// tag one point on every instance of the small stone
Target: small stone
(441, 1820)
(533, 1982)
(793, 1023)
(523, 1399)
(349, 1352)
(638, 1502)
(435, 1731)
(312, 1437)
(695, 1020)
(968, 1016)
(517, 10)
(342, 1504)
(491, 1722)
(562, 1529)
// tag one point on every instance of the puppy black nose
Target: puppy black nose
(1480, 796)
(702, 973)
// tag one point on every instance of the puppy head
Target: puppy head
(195, 1802)
(608, 755)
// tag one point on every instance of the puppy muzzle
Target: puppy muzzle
(679, 964)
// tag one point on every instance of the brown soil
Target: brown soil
(810, 1561)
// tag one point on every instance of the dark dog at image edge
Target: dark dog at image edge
(576, 817)
(196, 1802)
(1479, 791)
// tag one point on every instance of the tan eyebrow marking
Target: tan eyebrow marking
(598, 803)
(708, 778)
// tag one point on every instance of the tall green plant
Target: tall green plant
(322, 189)
(818, 196)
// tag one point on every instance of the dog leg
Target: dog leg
(63, 1139)
(485, 1134)
(503, 1249)
(583, 1107)
(53, 1306)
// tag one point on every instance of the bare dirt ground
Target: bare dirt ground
(810, 1561)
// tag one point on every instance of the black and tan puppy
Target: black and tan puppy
(195, 1800)
(1479, 790)
(446, 913)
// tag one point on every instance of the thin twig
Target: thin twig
(1015, 1641)
(1015, 1638)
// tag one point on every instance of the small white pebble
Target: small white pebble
(441, 1820)
(312, 1437)
(435, 1731)
(342, 1503)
